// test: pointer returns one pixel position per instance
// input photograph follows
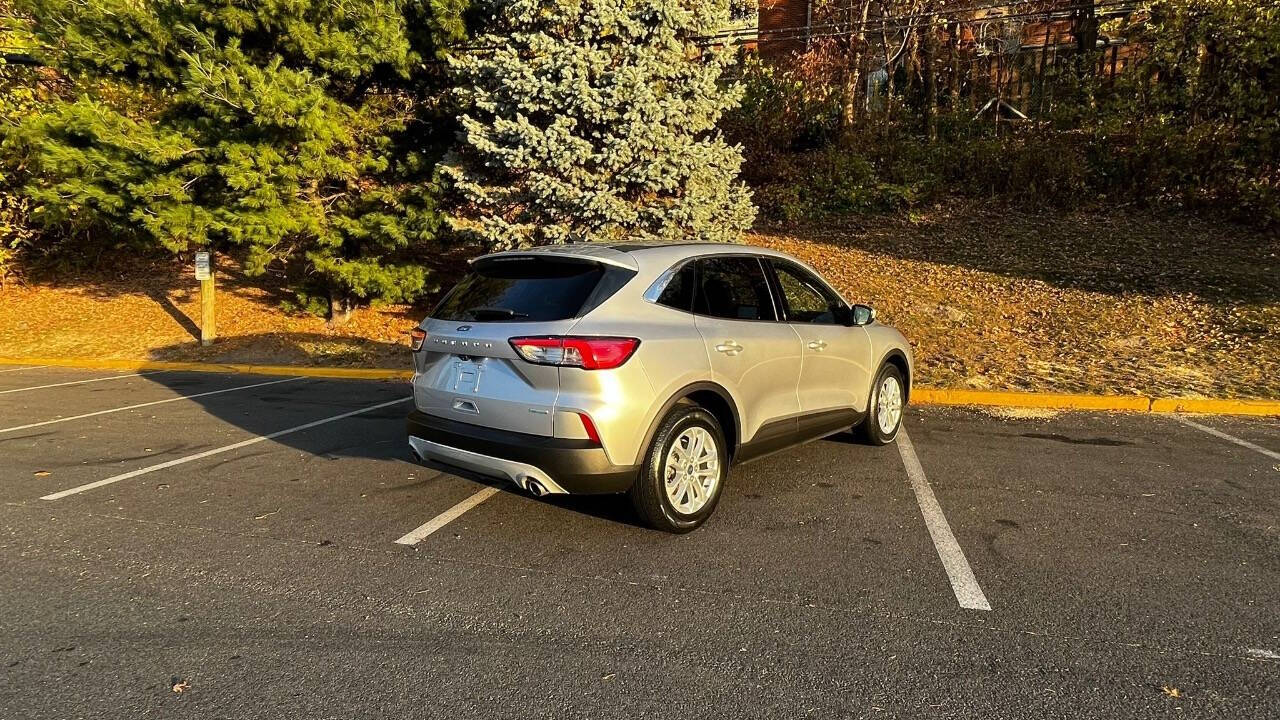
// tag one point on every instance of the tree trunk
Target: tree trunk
(849, 99)
(1044, 59)
(954, 61)
(856, 42)
(888, 81)
(930, 81)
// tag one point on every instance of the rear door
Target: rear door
(467, 369)
(836, 357)
(752, 354)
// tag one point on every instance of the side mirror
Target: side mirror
(863, 314)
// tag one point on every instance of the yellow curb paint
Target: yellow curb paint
(322, 372)
(1212, 406)
(919, 395)
(1054, 401)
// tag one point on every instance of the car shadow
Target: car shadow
(613, 508)
(377, 434)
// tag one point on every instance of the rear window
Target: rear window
(521, 290)
(678, 293)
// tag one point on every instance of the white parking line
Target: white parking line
(963, 583)
(417, 535)
(1229, 438)
(216, 451)
(28, 426)
(29, 367)
(80, 382)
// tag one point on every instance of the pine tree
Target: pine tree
(274, 128)
(595, 120)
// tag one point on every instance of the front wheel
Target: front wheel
(884, 408)
(683, 473)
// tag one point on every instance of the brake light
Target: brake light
(588, 353)
(417, 337)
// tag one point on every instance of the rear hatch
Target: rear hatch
(467, 368)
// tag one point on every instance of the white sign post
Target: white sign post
(204, 273)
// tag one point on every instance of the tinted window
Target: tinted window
(521, 289)
(805, 298)
(734, 288)
(678, 293)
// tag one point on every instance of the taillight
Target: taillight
(416, 337)
(589, 428)
(588, 353)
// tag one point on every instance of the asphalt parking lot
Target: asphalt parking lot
(265, 546)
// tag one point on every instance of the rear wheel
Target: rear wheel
(884, 408)
(683, 472)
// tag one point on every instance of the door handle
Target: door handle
(729, 347)
(818, 345)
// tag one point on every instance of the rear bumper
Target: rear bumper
(556, 465)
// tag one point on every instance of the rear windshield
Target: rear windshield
(521, 290)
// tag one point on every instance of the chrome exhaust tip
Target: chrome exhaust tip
(536, 488)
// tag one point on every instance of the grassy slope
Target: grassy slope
(1109, 302)
(1115, 302)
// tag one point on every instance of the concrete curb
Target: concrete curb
(1117, 403)
(920, 395)
(1052, 401)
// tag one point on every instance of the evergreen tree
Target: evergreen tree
(595, 120)
(22, 90)
(275, 127)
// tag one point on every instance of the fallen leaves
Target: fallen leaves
(1103, 300)
(1172, 692)
(181, 686)
(1107, 301)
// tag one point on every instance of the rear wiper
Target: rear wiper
(495, 313)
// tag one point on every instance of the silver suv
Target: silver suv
(646, 370)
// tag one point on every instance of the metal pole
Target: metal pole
(208, 319)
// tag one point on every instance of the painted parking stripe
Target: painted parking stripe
(963, 583)
(80, 382)
(217, 451)
(417, 535)
(28, 426)
(1229, 438)
(29, 367)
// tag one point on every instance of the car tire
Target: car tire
(871, 430)
(668, 495)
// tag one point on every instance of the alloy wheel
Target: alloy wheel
(889, 405)
(691, 470)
